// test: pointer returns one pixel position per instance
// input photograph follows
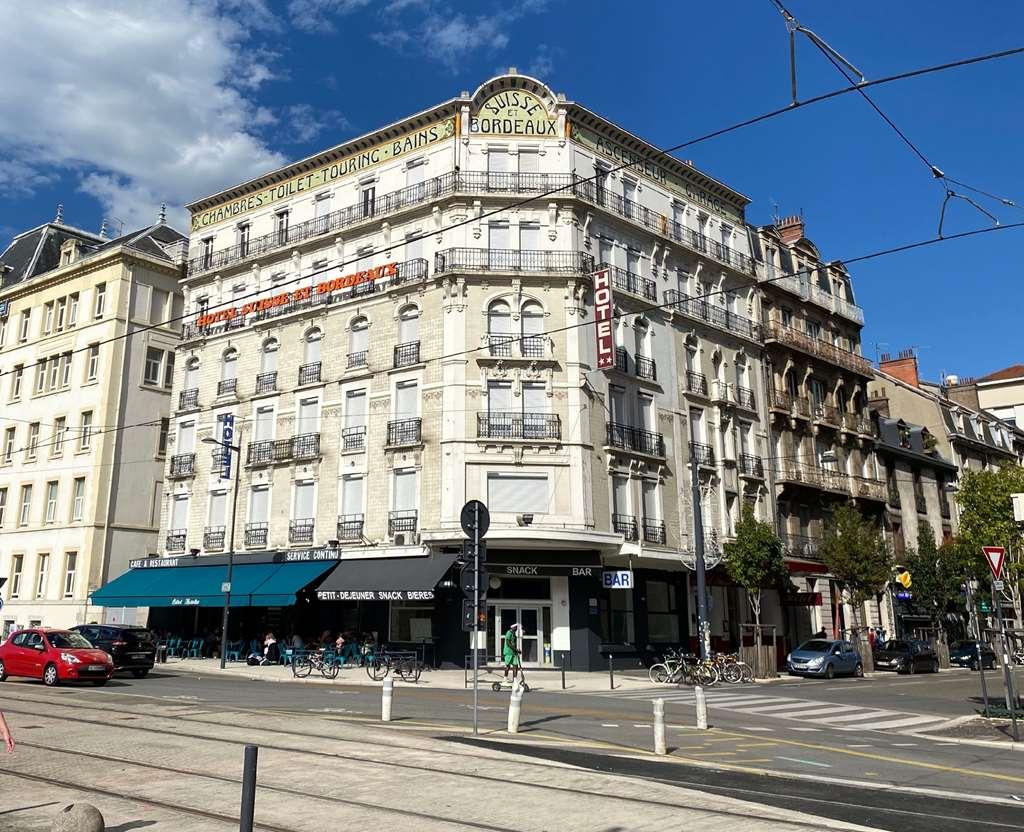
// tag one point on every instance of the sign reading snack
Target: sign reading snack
(514, 113)
(352, 163)
(622, 155)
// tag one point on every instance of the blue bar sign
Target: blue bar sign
(227, 434)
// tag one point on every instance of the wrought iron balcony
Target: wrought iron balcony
(624, 524)
(176, 540)
(868, 488)
(404, 432)
(306, 446)
(266, 382)
(183, 465)
(256, 535)
(654, 531)
(745, 398)
(301, 531)
(402, 521)
(629, 438)
(350, 527)
(813, 476)
(353, 438)
(776, 331)
(473, 182)
(188, 399)
(719, 317)
(357, 359)
(512, 260)
(801, 545)
(260, 452)
(227, 386)
(621, 360)
(538, 426)
(696, 383)
(921, 504)
(721, 391)
(858, 423)
(751, 466)
(825, 413)
(646, 368)
(631, 283)
(407, 354)
(515, 346)
(788, 403)
(310, 373)
(213, 538)
(703, 454)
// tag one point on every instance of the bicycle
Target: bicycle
(680, 668)
(321, 660)
(731, 669)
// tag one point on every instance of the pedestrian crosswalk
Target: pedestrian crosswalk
(826, 715)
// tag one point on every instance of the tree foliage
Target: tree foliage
(856, 553)
(755, 560)
(937, 573)
(986, 516)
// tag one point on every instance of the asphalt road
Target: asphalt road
(769, 743)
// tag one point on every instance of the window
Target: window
(191, 374)
(25, 512)
(65, 370)
(499, 399)
(99, 300)
(529, 161)
(406, 400)
(154, 360)
(662, 612)
(409, 325)
(60, 428)
(617, 617)
(161, 442)
(62, 314)
(186, 442)
(47, 318)
(355, 409)
(497, 162)
(73, 309)
(85, 432)
(696, 425)
(311, 349)
(535, 397)
(3, 331)
(169, 370)
(51, 501)
(281, 226)
(179, 512)
(787, 316)
(359, 339)
(158, 305)
(54, 361)
(218, 508)
(533, 326)
(412, 622)
(813, 328)
(303, 505)
(264, 427)
(16, 380)
(23, 324)
(620, 494)
(40, 375)
(243, 239)
(321, 206)
(3, 506)
(268, 357)
(33, 441)
(9, 437)
(41, 570)
(16, 565)
(259, 504)
(229, 365)
(70, 565)
(78, 498)
(207, 244)
(309, 416)
(415, 172)
(352, 494)
(498, 236)
(517, 493)
(405, 489)
(529, 237)
(367, 197)
(645, 412)
(651, 503)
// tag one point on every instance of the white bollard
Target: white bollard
(659, 726)
(702, 707)
(385, 702)
(515, 705)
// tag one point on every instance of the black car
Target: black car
(965, 654)
(906, 657)
(132, 648)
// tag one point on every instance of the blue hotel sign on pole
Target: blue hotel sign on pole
(227, 435)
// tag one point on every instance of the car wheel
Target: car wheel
(830, 672)
(50, 677)
(139, 674)
(935, 666)
(975, 665)
(858, 671)
(3, 672)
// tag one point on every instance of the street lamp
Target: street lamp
(228, 448)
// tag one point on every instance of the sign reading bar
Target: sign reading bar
(375, 595)
(323, 288)
(617, 579)
(513, 570)
(352, 163)
(514, 113)
(603, 319)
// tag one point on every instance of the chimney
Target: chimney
(962, 390)
(791, 229)
(903, 366)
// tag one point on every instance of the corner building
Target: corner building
(403, 323)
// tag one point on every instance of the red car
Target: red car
(54, 656)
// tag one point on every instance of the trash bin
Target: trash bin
(161, 653)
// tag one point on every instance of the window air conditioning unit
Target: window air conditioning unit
(406, 538)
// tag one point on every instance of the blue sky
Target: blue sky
(112, 112)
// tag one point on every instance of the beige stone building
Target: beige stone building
(85, 412)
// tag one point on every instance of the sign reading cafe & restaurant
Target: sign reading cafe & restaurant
(354, 162)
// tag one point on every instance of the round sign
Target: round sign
(475, 518)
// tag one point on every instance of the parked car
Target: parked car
(907, 657)
(824, 657)
(54, 656)
(965, 654)
(132, 648)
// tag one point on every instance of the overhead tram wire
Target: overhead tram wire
(554, 191)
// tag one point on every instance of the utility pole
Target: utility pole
(703, 630)
(228, 432)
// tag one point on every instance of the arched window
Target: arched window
(408, 325)
(499, 328)
(191, 374)
(642, 334)
(229, 365)
(311, 349)
(533, 330)
(358, 342)
(268, 357)
(841, 402)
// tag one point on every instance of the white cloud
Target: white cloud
(542, 64)
(313, 15)
(304, 123)
(144, 106)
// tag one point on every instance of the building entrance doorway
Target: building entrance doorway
(533, 635)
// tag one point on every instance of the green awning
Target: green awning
(252, 585)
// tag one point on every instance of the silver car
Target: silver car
(824, 658)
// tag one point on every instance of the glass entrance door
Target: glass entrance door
(531, 633)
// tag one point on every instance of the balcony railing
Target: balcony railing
(625, 524)
(696, 383)
(357, 359)
(702, 454)
(407, 354)
(350, 527)
(512, 260)
(306, 446)
(788, 403)
(183, 465)
(404, 432)
(776, 331)
(654, 531)
(858, 423)
(256, 535)
(751, 466)
(213, 538)
(801, 545)
(227, 386)
(921, 504)
(825, 413)
(633, 284)
(301, 531)
(646, 368)
(543, 426)
(266, 382)
(353, 438)
(512, 346)
(825, 479)
(188, 399)
(629, 438)
(718, 316)
(176, 540)
(310, 373)
(868, 488)
(512, 183)
(745, 398)
(402, 521)
(621, 360)
(943, 504)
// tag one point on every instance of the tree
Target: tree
(855, 552)
(986, 516)
(755, 560)
(937, 574)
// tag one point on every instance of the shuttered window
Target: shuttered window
(309, 416)
(499, 396)
(535, 398)
(650, 495)
(264, 428)
(218, 507)
(406, 396)
(179, 512)
(304, 505)
(186, 438)
(352, 494)
(405, 490)
(516, 492)
(259, 504)
(620, 494)
(355, 408)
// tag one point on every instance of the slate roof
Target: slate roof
(889, 439)
(1005, 374)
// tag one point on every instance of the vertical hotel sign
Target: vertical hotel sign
(603, 319)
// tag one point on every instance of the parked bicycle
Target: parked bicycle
(684, 668)
(325, 661)
(406, 666)
(732, 669)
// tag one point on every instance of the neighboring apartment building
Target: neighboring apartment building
(80, 478)
(1000, 393)
(822, 437)
(403, 322)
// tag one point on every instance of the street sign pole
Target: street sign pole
(975, 619)
(703, 630)
(1011, 701)
(476, 620)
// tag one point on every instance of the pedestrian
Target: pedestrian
(880, 639)
(510, 650)
(6, 734)
(819, 634)
(872, 638)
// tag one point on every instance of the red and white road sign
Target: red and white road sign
(995, 555)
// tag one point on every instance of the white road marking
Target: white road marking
(816, 730)
(904, 744)
(903, 723)
(861, 745)
(859, 716)
(641, 725)
(804, 762)
(609, 725)
(755, 728)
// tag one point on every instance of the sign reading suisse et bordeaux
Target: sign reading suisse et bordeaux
(352, 163)
(326, 287)
(513, 113)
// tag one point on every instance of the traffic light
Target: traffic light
(468, 617)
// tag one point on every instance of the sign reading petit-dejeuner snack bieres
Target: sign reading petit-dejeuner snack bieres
(355, 162)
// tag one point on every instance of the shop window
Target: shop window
(411, 622)
(617, 617)
(662, 612)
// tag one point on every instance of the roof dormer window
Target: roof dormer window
(69, 252)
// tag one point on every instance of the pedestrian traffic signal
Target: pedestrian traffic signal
(468, 617)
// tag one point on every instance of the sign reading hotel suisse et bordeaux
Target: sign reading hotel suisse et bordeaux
(514, 113)
(355, 162)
